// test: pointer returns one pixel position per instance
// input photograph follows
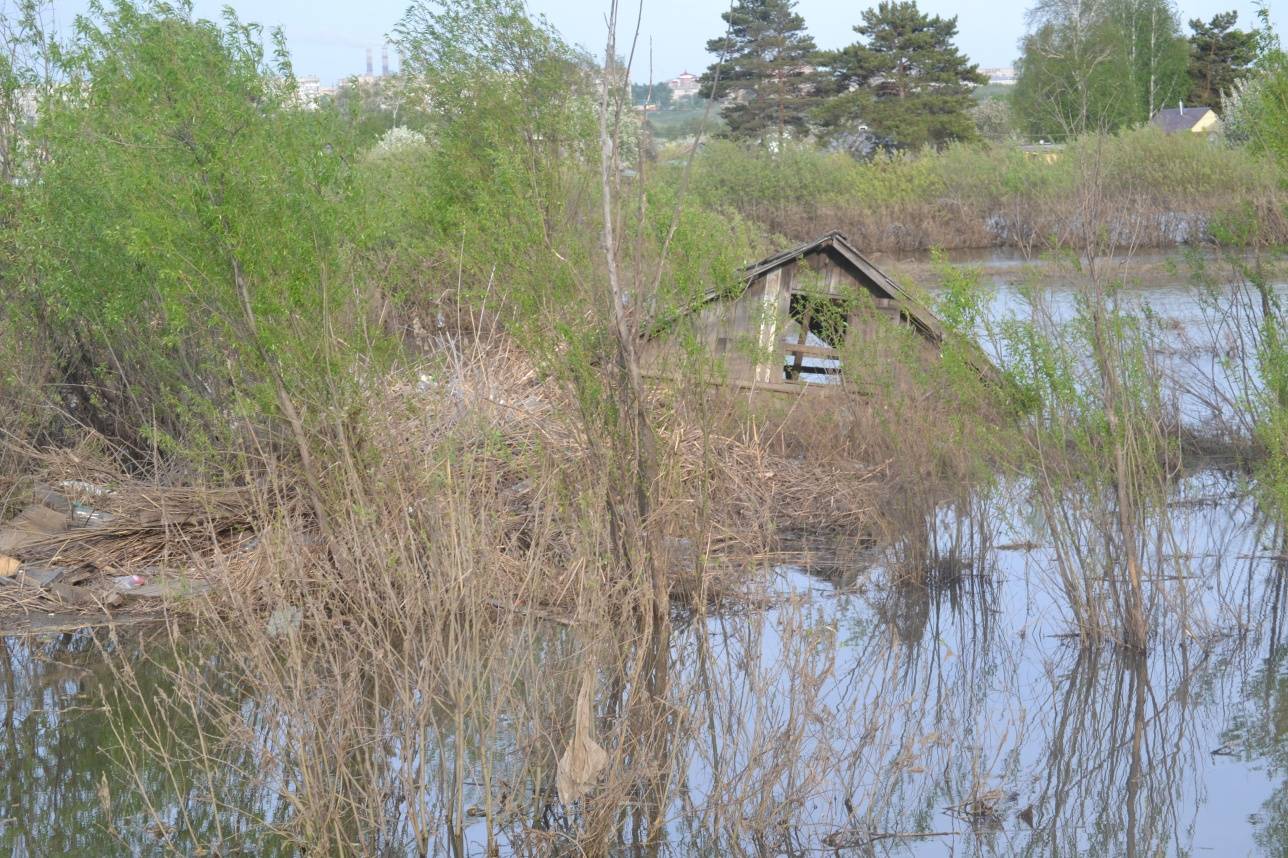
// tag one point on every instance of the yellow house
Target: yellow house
(1196, 120)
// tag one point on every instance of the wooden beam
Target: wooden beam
(815, 370)
(796, 388)
(810, 351)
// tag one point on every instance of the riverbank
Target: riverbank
(472, 444)
(480, 419)
(1139, 189)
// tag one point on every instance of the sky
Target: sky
(329, 38)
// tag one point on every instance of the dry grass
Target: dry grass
(417, 667)
(476, 442)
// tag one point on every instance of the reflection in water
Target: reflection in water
(1257, 733)
(70, 788)
(870, 716)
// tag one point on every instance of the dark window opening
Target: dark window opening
(815, 331)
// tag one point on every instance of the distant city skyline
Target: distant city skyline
(326, 39)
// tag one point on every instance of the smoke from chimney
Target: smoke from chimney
(368, 62)
(384, 61)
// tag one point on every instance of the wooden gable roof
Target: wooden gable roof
(845, 254)
(880, 284)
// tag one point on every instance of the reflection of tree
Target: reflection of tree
(850, 720)
(1259, 732)
(850, 723)
(67, 788)
(1117, 759)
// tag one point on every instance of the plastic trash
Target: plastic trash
(84, 515)
(129, 582)
(84, 488)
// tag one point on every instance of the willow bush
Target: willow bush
(180, 248)
(983, 195)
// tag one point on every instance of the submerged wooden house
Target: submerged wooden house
(796, 314)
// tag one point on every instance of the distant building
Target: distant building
(684, 86)
(309, 90)
(370, 76)
(1193, 119)
(27, 100)
(999, 76)
(310, 87)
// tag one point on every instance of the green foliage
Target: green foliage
(962, 298)
(176, 158)
(907, 81)
(1098, 67)
(375, 106)
(195, 253)
(501, 213)
(1267, 401)
(23, 80)
(651, 93)
(513, 131)
(686, 121)
(707, 250)
(1065, 85)
(808, 190)
(1157, 55)
(994, 120)
(1219, 57)
(1263, 104)
(1238, 110)
(763, 67)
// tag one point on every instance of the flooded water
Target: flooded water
(853, 715)
(958, 720)
(1196, 307)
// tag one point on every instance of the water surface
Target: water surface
(854, 714)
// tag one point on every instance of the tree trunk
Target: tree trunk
(634, 445)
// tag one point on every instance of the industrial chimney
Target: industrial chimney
(368, 62)
(384, 61)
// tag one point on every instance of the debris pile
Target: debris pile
(79, 546)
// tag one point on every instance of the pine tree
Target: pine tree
(765, 71)
(907, 82)
(1219, 56)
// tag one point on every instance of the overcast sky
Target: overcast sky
(329, 37)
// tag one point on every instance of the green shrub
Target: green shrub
(183, 246)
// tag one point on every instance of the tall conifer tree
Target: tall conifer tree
(906, 81)
(765, 70)
(1219, 57)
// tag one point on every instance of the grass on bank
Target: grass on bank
(1167, 189)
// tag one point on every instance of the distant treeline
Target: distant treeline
(904, 84)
